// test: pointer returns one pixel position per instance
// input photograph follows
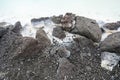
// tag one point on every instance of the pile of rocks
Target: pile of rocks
(27, 58)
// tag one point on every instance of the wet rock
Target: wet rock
(58, 32)
(42, 38)
(39, 19)
(65, 70)
(57, 19)
(111, 43)
(88, 28)
(112, 26)
(17, 27)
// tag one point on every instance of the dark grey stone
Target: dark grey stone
(88, 28)
(58, 32)
(111, 43)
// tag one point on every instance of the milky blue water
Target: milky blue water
(23, 10)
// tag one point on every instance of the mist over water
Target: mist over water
(23, 10)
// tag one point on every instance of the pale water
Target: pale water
(24, 10)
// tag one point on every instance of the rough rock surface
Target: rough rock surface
(112, 26)
(26, 58)
(42, 38)
(2, 31)
(86, 58)
(62, 52)
(57, 19)
(58, 32)
(83, 63)
(65, 69)
(111, 43)
(13, 45)
(17, 27)
(88, 28)
(2, 24)
(68, 21)
(79, 25)
(39, 19)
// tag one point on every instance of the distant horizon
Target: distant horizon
(106, 10)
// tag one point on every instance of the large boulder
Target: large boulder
(66, 21)
(13, 45)
(88, 28)
(58, 32)
(112, 26)
(111, 43)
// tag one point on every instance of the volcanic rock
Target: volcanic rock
(88, 28)
(111, 43)
(58, 32)
(112, 26)
(2, 31)
(2, 24)
(65, 70)
(17, 27)
(42, 38)
(63, 52)
(39, 19)
(68, 21)
(57, 19)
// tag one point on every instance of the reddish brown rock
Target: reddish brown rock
(42, 38)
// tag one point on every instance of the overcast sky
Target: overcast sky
(98, 9)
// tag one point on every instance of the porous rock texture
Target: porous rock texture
(27, 58)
